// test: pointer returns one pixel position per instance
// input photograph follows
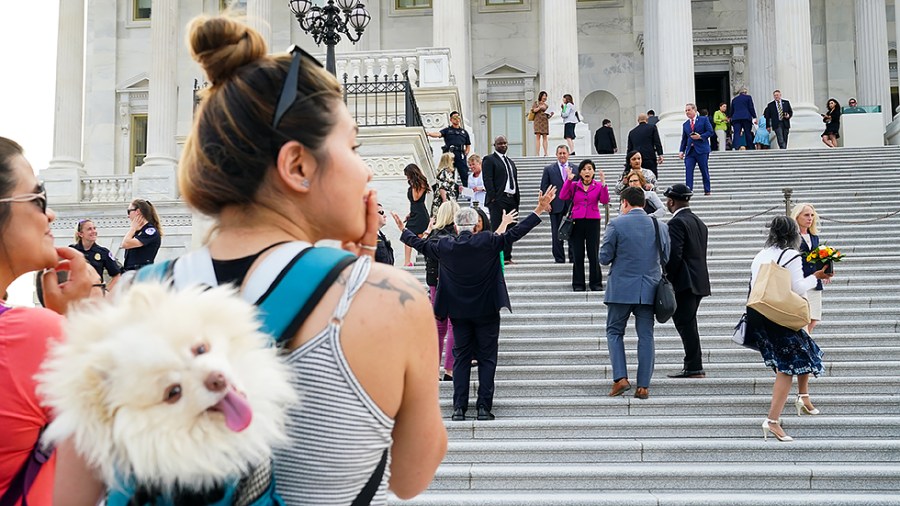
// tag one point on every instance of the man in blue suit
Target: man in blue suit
(630, 246)
(471, 290)
(553, 176)
(743, 116)
(695, 148)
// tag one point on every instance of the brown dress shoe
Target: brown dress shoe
(641, 393)
(620, 387)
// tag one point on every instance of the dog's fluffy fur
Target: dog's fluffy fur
(108, 381)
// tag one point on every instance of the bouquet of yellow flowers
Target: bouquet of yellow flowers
(824, 254)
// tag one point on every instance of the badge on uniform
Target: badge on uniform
(97, 256)
(150, 231)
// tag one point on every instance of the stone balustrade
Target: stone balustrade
(426, 67)
(106, 189)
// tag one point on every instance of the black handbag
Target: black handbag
(566, 225)
(664, 303)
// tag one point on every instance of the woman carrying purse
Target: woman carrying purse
(586, 195)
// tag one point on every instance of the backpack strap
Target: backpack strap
(371, 487)
(24, 478)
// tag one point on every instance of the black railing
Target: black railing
(382, 101)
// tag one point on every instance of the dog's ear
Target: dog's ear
(145, 296)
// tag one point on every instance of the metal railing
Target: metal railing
(382, 101)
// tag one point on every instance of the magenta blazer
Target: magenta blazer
(585, 204)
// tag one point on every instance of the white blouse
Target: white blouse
(799, 283)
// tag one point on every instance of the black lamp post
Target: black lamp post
(327, 23)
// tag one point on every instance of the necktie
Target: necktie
(562, 172)
(509, 174)
(692, 124)
(780, 111)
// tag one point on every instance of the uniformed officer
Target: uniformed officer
(142, 241)
(456, 141)
(99, 257)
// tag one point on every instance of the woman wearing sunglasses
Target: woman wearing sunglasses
(271, 141)
(26, 332)
(141, 243)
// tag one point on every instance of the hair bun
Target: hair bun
(222, 45)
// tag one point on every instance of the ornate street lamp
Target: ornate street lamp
(327, 23)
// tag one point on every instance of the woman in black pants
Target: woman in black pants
(586, 195)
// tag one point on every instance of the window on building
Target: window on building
(233, 5)
(138, 140)
(508, 119)
(504, 2)
(142, 10)
(412, 4)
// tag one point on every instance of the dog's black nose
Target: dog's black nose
(215, 382)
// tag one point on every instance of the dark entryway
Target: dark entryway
(711, 89)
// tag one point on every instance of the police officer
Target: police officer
(142, 241)
(99, 257)
(456, 141)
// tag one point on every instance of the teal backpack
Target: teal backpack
(286, 287)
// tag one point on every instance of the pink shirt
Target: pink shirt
(585, 204)
(25, 334)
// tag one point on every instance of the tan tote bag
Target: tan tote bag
(772, 296)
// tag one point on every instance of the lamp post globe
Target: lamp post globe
(328, 22)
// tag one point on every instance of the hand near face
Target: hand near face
(570, 175)
(365, 245)
(138, 222)
(397, 220)
(59, 296)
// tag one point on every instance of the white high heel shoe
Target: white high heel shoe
(801, 407)
(766, 428)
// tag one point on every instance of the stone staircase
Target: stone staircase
(559, 440)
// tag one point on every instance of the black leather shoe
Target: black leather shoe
(577, 288)
(684, 373)
(484, 414)
(597, 288)
(458, 415)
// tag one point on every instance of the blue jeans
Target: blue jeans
(616, 319)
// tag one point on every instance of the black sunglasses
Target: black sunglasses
(288, 94)
(40, 197)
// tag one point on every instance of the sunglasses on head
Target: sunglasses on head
(288, 94)
(40, 197)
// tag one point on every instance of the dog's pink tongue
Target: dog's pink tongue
(236, 410)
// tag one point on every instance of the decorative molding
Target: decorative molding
(388, 166)
(724, 38)
(524, 5)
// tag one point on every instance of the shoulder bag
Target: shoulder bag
(566, 225)
(531, 114)
(664, 303)
(773, 298)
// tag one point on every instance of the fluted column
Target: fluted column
(259, 18)
(873, 83)
(651, 56)
(63, 175)
(156, 177)
(761, 46)
(675, 46)
(794, 72)
(452, 28)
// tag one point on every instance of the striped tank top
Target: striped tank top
(337, 434)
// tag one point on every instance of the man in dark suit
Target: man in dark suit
(553, 176)
(471, 292)
(778, 117)
(645, 138)
(694, 150)
(501, 186)
(743, 116)
(605, 139)
(687, 271)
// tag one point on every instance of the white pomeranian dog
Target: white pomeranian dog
(167, 390)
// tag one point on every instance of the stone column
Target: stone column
(761, 48)
(559, 67)
(651, 57)
(794, 72)
(873, 83)
(259, 18)
(156, 177)
(63, 176)
(674, 43)
(452, 29)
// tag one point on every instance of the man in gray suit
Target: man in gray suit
(630, 246)
(553, 176)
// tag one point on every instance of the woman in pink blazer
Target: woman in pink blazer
(586, 195)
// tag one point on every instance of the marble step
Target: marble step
(671, 341)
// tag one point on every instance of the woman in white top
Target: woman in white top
(476, 179)
(788, 352)
(570, 119)
(653, 205)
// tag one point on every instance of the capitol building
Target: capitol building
(126, 85)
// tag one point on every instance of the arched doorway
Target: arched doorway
(599, 105)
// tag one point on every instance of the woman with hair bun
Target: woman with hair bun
(788, 352)
(271, 141)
